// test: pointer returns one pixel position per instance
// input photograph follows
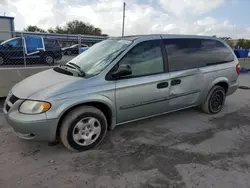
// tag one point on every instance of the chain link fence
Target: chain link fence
(25, 49)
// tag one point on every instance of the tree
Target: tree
(230, 43)
(242, 43)
(73, 27)
(77, 27)
(33, 28)
(58, 29)
(225, 38)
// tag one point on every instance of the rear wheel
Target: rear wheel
(48, 59)
(215, 100)
(83, 128)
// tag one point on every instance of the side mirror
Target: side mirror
(123, 70)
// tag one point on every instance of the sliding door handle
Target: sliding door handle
(175, 82)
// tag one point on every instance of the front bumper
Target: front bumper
(31, 127)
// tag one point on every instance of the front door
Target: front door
(14, 50)
(145, 92)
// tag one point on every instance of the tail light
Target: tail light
(60, 45)
(238, 68)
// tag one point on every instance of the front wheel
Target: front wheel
(83, 128)
(215, 100)
(1, 60)
(69, 52)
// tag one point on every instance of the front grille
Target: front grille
(12, 99)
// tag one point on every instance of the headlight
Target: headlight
(34, 107)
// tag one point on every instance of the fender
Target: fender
(65, 104)
(218, 80)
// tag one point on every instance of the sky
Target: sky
(224, 18)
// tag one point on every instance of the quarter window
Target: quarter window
(215, 52)
(145, 59)
(50, 43)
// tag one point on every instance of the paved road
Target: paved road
(186, 149)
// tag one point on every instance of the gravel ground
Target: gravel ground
(186, 149)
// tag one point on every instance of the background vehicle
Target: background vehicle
(83, 49)
(74, 49)
(33, 49)
(120, 80)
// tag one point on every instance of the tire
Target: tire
(49, 59)
(215, 100)
(1, 60)
(75, 133)
(69, 52)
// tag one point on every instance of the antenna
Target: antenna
(123, 19)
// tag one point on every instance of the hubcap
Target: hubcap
(216, 102)
(49, 59)
(86, 131)
(1, 61)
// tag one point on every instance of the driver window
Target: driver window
(15, 42)
(145, 59)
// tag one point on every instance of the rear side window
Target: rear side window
(51, 43)
(195, 53)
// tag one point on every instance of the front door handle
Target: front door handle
(175, 82)
(162, 85)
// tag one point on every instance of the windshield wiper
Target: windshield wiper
(73, 65)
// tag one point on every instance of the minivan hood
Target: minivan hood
(49, 80)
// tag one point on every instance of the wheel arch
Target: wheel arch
(50, 53)
(107, 110)
(222, 81)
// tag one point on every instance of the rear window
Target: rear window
(195, 53)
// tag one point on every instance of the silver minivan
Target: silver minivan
(120, 80)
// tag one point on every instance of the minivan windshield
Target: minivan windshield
(99, 56)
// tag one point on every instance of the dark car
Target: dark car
(32, 49)
(74, 49)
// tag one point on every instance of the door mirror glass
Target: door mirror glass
(123, 70)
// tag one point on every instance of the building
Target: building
(7, 28)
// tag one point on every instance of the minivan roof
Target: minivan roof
(164, 36)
